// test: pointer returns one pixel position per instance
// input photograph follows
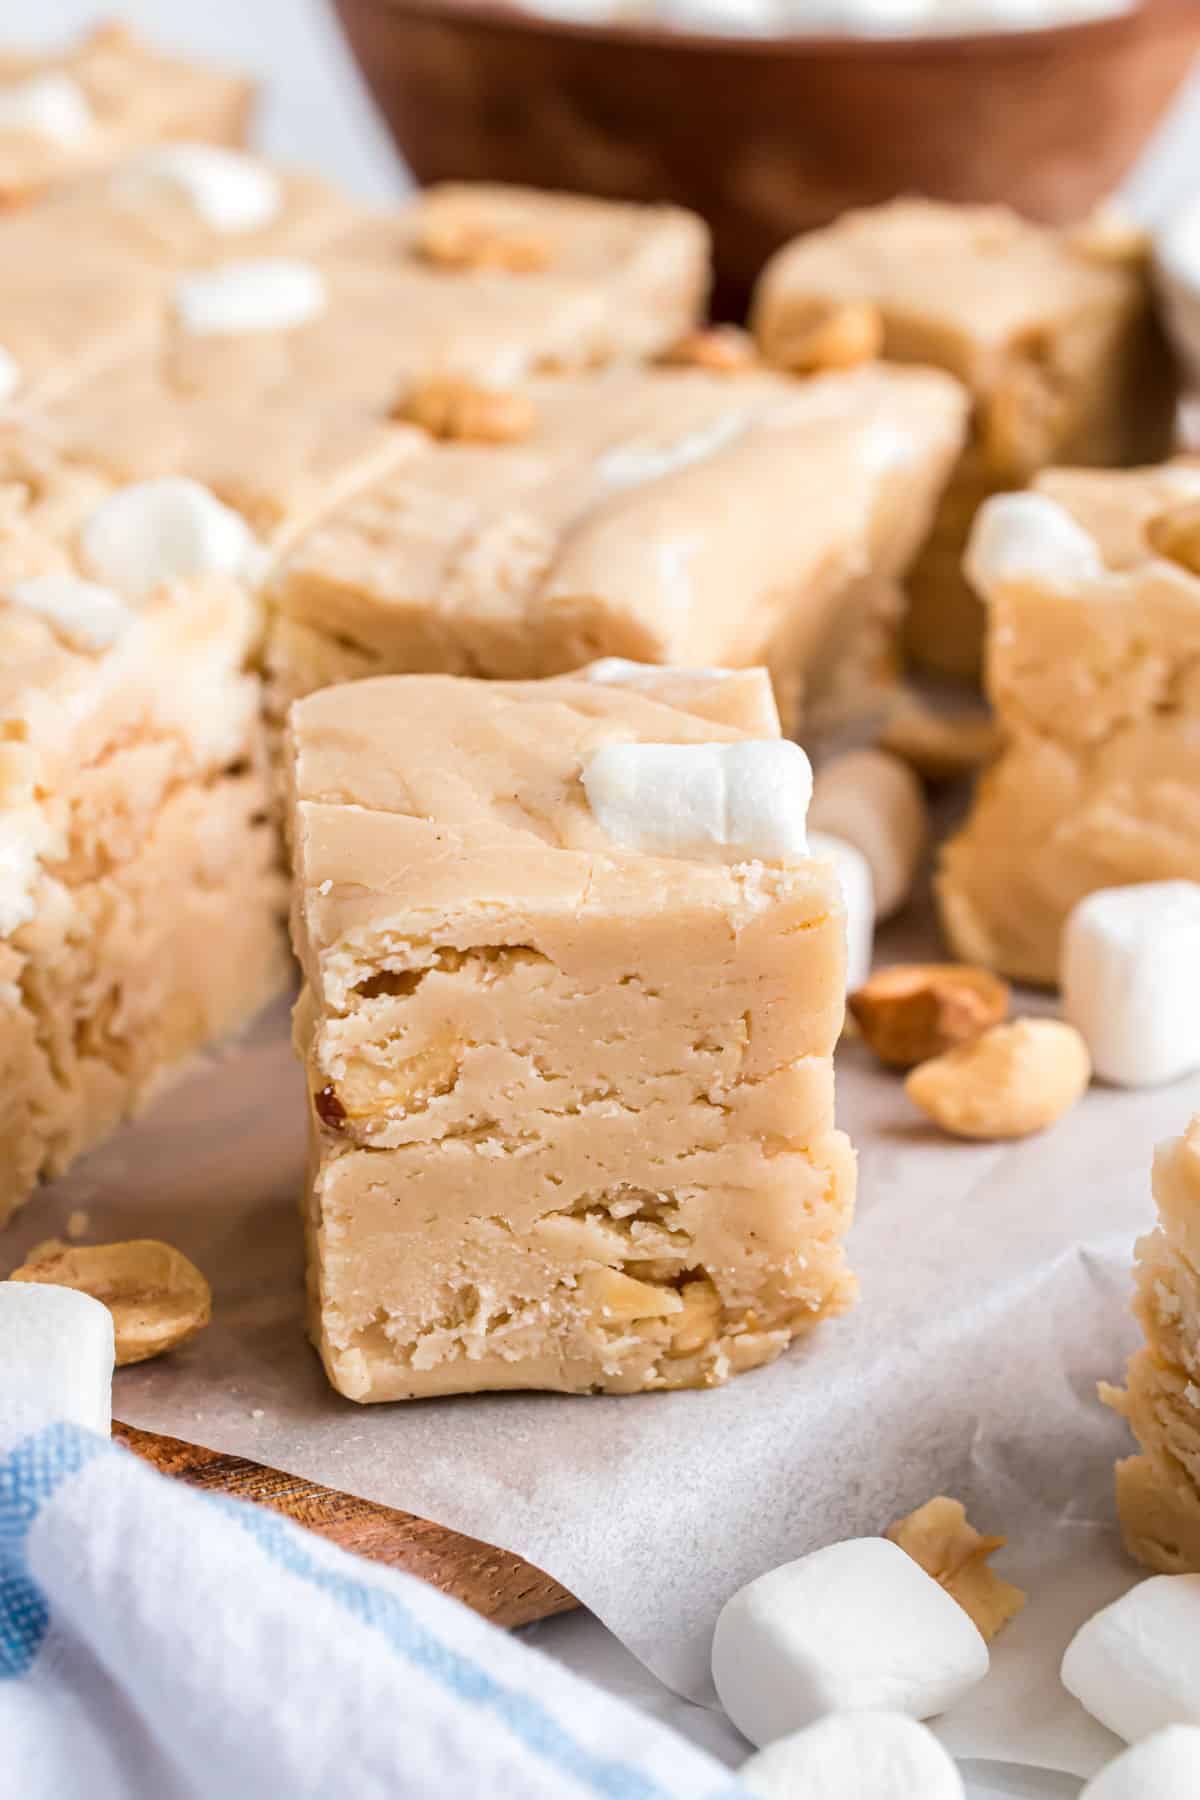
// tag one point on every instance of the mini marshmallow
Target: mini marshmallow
(56, 1353)
(1133, 1665)
(880, 1755)
(618, 671)
(1163, 1767)
(858, 891)
(165, 530)
(10, 374)
(84, 615)
(872, 800)
(50, 106)
(1130, 977)
(857, 1627)
(740, 802)
(270, 293)
(1029, 538)
(229, 190)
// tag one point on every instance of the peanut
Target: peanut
(832, 337)
(1009, 1082)
(158, 1299)
(916, 1011)
(453, 239)
(721, 350)
(939, 1537)
(1176, 535)
(463, 412)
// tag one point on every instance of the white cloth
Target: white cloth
(156, 1642)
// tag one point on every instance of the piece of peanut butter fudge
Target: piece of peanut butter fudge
(1092, 588)
(1051, 331)
(140, 902)
(1158, 1490)
(663, 515)
(596, 281)
(62, 115)
(572, 990)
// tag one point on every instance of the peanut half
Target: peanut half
(829, 336)
(940, 1538)
(451, 238)
(1011, 1081)
(914, 1011)
(158, 1299)
(463, 412)
(1176, 535)
(721, 350)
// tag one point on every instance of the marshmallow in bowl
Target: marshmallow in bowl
(56, 1354)
(229, 190)
(1130, 979)
(881, 1755)
(741, 802)
(267, 293)
(1024, 538)
(1133, 1664)
(162, 530)
(858, 1626)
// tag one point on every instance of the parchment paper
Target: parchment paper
(995, 1283)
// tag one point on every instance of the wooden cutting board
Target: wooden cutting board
(500, 1586)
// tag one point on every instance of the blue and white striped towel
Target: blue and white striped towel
(154, 1642)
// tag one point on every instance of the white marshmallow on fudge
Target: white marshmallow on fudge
(84, 615)
(882, 1755)
(51, 106)
(267, 293)
(620, 671)
(1163, 1767)
(231, 191)
(1133, 1665)
(1022, 538)
(872, 800)
(167, 529)
(738, 802)
(856, 1627)
(1130, 976)
(858, 892)
(56, 1354)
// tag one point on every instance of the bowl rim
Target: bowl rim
(509, 17)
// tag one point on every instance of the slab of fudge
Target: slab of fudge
(64, 114)
(595, 281)
(1093, 648)
(1053, 337)
(660, 515)
(572, 1102)
(1158, 1490)
(140, 899)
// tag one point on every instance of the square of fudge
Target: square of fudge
(592, 281)
(1092, 589)
(140, 895)
(1051, 331)
(660, 515)
(66, 113)
(571, 1102)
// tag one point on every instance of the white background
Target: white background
(315, 110)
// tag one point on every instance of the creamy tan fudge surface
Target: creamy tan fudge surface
(663, 515)
(140, 902)
(1053, 338)
(572, 1104)
(62, 320)
(1158, 1490)
(1094, 680)
(596, 281)
(63, 114)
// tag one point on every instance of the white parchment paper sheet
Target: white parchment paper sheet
(995, 1282)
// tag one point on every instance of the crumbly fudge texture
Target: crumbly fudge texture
(1158, 1490)
(668, 516)
(129, 95)
(1096, 688)
(1056, 345)
(140, 900)
(572, 1105)
(595, 281)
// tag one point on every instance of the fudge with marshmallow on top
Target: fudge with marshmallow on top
(1051, 331)
(140, 898)
(1092, 586)
(572, 990)
(64, 114)
(1158, 1489)
(658, 515)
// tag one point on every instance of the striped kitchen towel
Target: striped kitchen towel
(156, 1642)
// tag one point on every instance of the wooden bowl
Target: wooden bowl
(770, 136)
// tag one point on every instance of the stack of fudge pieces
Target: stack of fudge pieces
(410, 516)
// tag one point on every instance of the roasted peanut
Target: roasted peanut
(463, 412)
(158, 1299)
(721, 350)
(832, 337)
(1009, 1082)
(914, 1011)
